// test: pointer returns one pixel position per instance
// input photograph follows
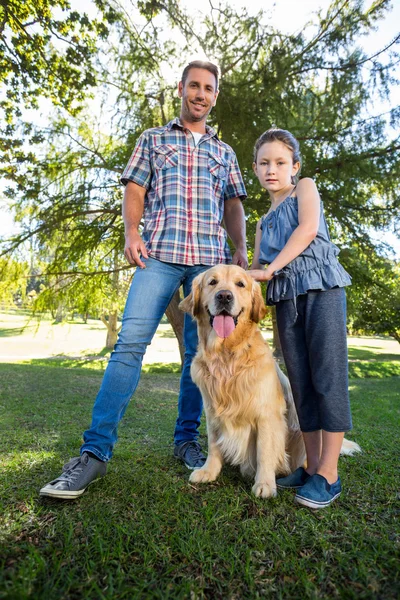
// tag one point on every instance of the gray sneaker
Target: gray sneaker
(190, 453)
(77, 474)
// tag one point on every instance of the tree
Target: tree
(46, 51)
(320, 86)
(77, 243)
(13, 274)
(374, 298)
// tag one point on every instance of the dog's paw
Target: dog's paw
(264, 490)
(201, 476)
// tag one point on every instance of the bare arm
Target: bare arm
(132, 212)
(309, 213)
(236, 228)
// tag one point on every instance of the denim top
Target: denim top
(316, 268)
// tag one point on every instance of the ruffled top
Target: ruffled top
(316, 268)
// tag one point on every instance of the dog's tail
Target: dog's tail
(349, 448)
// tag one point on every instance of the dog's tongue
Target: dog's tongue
(223, 325)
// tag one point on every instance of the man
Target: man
(183, 180)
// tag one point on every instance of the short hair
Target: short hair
(201, 64)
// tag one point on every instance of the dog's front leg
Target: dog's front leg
(270, 452)
(213, 465)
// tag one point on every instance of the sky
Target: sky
(289, 16)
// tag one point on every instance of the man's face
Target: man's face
(199, 95)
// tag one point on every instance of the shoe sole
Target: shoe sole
(186, 465)
(313, 503)
(65, 494)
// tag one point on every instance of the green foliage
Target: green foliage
(46, 50)
(374, 297)
(13, 281)
(318, 89)
(318, 83)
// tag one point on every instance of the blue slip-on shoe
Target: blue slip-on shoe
(190, 453)
(293, 481)
(317, 492)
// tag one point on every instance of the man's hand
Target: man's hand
(134, 247)
(240, 258)
(132, 212)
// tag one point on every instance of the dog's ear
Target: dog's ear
(186, 305)
(258, 308)
(191, 304)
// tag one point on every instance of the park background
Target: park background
(79, 82)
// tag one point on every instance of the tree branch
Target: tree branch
(84, 273)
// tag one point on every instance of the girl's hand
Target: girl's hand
(261, 274)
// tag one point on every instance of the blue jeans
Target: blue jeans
(151, 291)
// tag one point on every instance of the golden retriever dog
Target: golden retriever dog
(250, 413)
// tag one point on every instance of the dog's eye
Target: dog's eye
(240, 284)
(213, 282)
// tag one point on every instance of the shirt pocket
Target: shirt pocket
(217, 166)
(166, 156)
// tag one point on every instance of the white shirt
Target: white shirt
(196, 136)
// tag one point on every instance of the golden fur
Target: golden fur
(251, 418)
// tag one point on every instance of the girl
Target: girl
(305, 282)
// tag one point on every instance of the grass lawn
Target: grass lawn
(23, 337)
(145, 532)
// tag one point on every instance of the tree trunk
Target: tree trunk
(176, 319)
(60, 313)
(396, 335)
(112, 322)
(112, 329)
(276, 342)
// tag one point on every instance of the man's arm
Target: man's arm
(132, 212)
(235, 225)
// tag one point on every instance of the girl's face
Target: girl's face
(274, 166)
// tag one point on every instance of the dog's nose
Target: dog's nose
(224, 297)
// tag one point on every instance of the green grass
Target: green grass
(145, 532)
(25, 337)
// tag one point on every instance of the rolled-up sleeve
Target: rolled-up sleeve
(235, 187)
(138, 168)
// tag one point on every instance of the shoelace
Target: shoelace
(72, 469)
(194, 450)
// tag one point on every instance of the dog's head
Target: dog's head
(224, 297)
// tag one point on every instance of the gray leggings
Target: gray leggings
(312, 331)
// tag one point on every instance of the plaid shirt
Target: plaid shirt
(187, 186)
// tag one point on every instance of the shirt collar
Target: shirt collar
(178, 123)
